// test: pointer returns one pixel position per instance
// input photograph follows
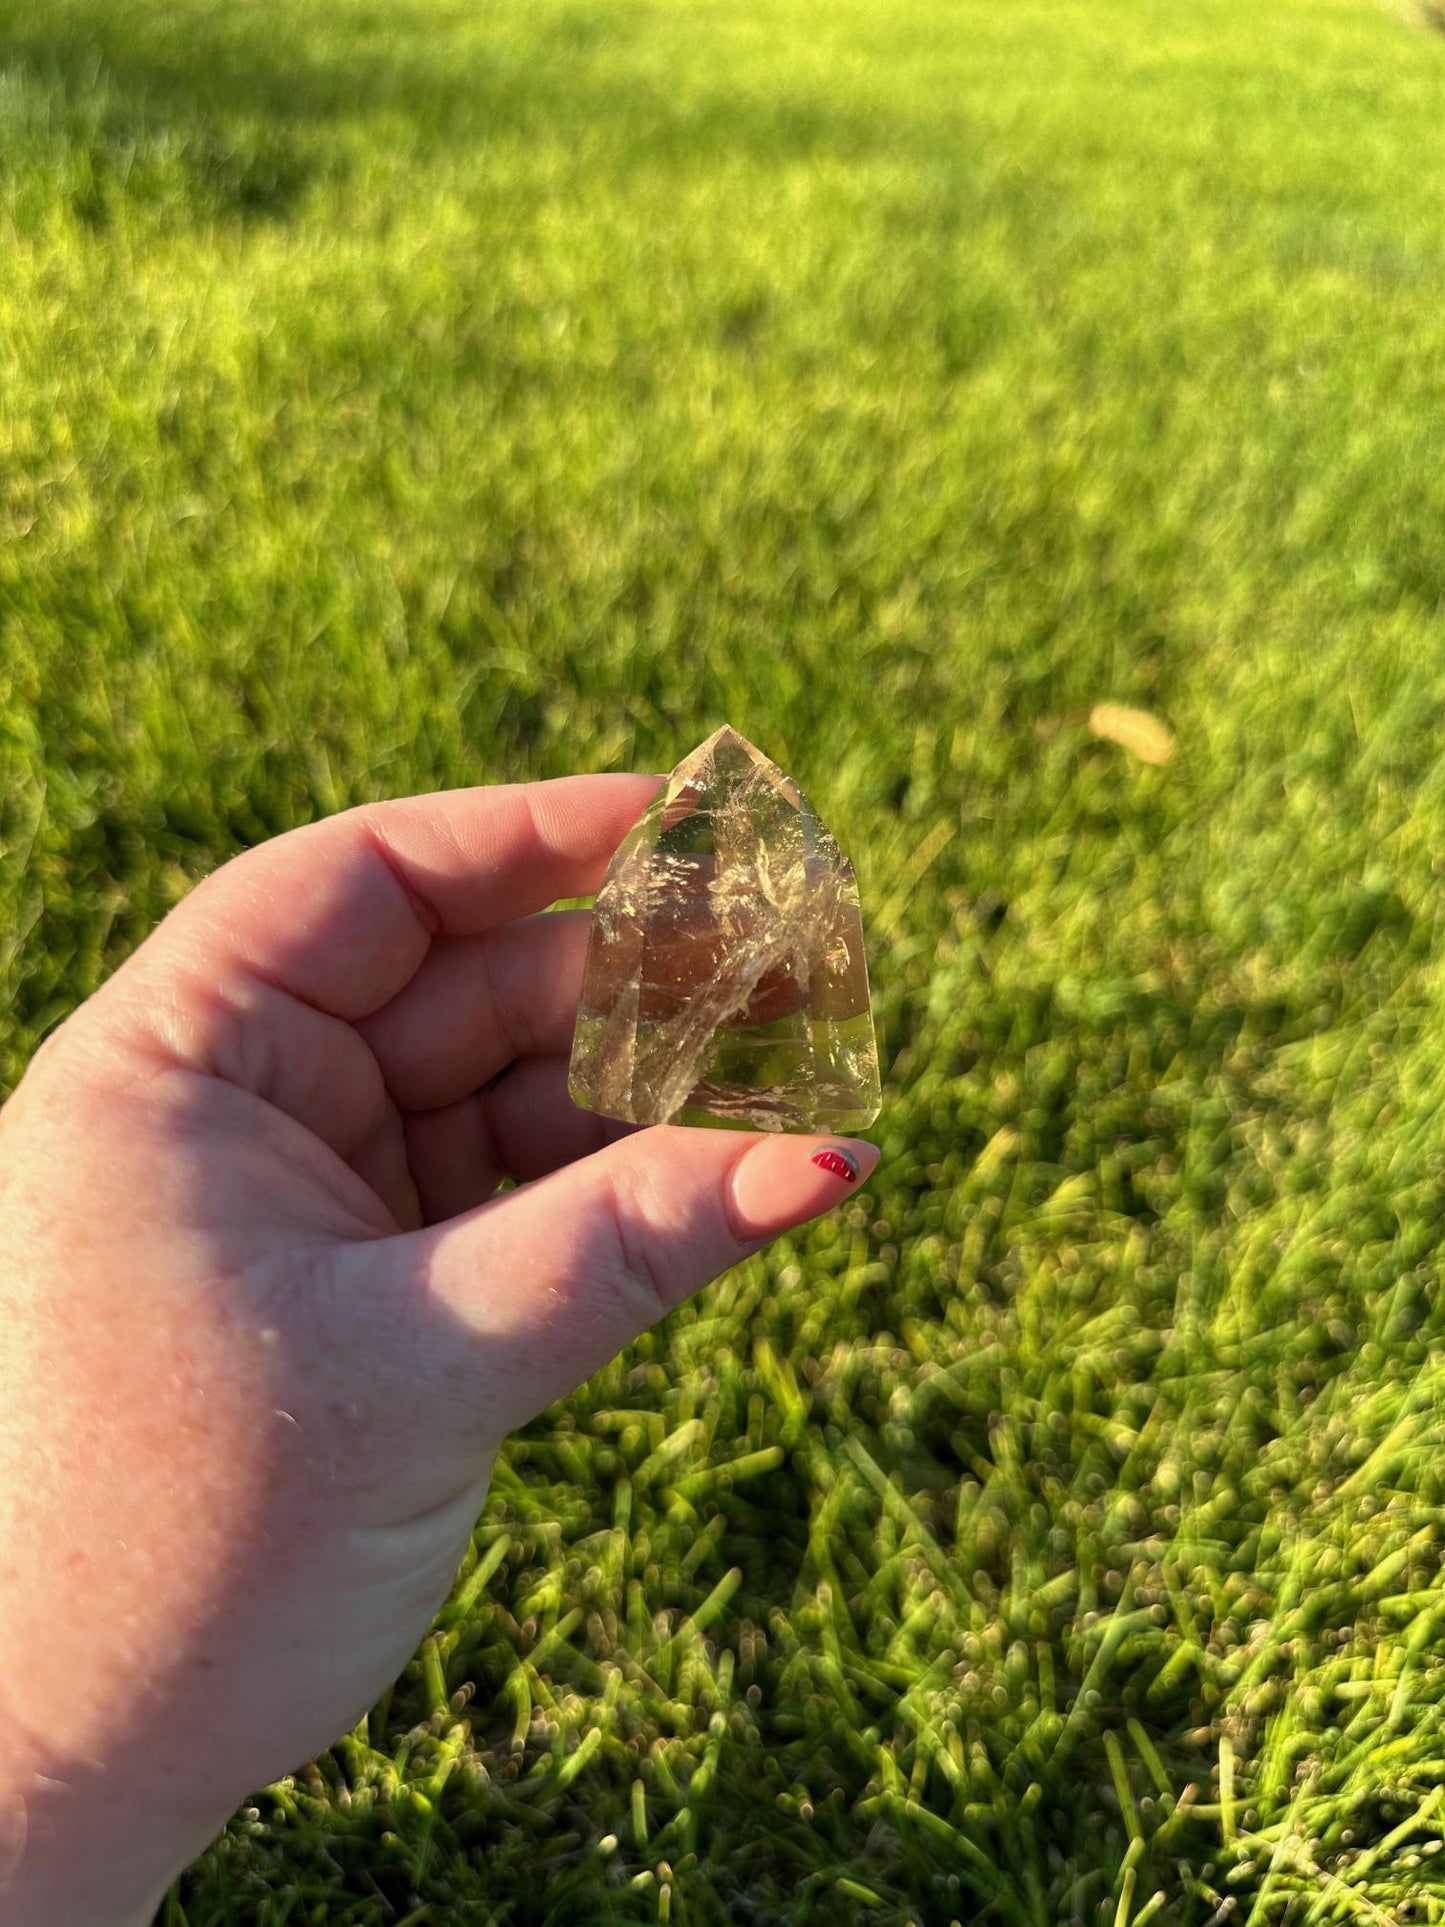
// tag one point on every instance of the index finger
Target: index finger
(341, 913)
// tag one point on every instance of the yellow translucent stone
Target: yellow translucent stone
(726, 980)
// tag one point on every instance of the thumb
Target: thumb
(555, 1278)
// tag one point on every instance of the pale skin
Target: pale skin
(264, 1323)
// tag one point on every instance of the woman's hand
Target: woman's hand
(262, 1331)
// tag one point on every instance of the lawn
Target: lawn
(397, 394)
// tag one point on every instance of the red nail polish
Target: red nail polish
(838, 1162)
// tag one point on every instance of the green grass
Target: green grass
(401, 395)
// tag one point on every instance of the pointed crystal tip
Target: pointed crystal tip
(726, 980)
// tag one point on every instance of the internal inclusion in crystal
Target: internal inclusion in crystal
(726, 980)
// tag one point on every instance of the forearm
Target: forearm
(106, 1790)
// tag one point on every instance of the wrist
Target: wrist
(82, 1856)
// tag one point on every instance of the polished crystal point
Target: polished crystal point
(726, 980)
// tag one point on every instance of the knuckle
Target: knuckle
(637, 1252)
(505, 1006)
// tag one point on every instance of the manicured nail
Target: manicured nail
(781, 1182)
(832, 1157)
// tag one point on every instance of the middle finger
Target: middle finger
(475, 1004)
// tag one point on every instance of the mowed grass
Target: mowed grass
(402, 395)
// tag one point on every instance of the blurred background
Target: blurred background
(396, 396)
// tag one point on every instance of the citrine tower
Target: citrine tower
(726, 980)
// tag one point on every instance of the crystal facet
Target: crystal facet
(726, 980)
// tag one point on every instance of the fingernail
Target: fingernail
(785, 1181)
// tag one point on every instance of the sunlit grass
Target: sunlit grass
(396, 396)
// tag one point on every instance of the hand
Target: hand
(262, 1331)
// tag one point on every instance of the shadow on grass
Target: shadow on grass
(558, 71)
